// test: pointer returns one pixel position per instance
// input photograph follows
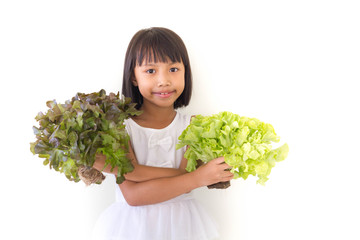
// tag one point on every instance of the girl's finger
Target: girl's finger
(219, 160)
(228, 177)
(227, 174)
(226, 166)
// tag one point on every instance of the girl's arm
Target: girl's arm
(163, 189)
(141, 172)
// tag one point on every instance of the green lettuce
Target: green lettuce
(245, 144)
(71, 134)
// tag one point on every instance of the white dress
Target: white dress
(180, 218)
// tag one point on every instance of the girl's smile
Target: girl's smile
(164, 94)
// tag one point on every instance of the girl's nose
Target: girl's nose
(163, 80)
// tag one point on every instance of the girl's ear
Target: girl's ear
(134, 82)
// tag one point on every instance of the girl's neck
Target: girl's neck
(155, 117)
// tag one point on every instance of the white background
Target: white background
(294, 64)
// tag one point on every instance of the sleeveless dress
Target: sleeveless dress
(180, 218)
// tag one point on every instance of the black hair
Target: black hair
(155, 44)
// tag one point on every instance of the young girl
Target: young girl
(155, 201)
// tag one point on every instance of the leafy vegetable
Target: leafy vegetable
(71, 134)
(244, 142)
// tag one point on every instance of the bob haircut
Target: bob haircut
(155, 44)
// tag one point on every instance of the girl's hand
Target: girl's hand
(99, 162)
(213, 172)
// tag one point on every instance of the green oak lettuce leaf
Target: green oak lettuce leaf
(71, 134)
(245, 144)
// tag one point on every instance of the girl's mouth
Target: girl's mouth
(164, 94)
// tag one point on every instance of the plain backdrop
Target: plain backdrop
(294, 64)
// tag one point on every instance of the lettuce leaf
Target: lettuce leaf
(71, 134)
(245, 144)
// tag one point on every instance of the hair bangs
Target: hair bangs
(155, 50)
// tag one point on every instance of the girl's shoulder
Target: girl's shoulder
(184, 118)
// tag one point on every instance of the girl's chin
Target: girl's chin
(162, 103)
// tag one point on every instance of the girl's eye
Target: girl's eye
(174, 69)
(150, 71)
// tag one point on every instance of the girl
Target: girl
(154, 202)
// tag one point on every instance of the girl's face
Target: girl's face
(160, 83)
